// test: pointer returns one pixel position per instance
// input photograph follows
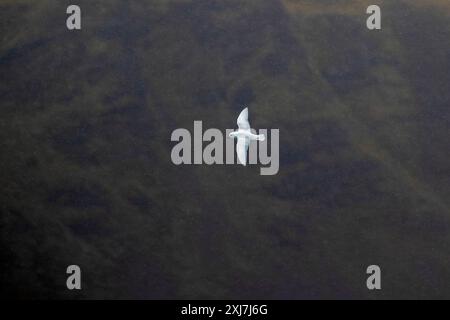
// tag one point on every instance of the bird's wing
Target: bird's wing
(242, 120)
(241, 150)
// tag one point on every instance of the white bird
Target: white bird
(244, 135)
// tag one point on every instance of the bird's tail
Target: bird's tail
(261, 137)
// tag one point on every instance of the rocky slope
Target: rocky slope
(85, 149)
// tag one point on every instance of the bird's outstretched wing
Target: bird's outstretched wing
(241, 150)
(242, 120)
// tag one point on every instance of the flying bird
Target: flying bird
(244, 135)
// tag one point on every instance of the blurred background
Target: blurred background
(86, 176)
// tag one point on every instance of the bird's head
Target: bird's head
(233, 134)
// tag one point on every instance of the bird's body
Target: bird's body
(247, 134)
(244, 136)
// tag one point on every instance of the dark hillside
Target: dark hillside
(86, 175)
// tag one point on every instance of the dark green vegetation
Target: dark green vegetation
(85, 169)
